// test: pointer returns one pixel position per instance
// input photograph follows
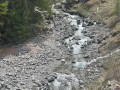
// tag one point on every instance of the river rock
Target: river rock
(77, 43)
(82, 46)
(75, 29)
(51, 79)
(84, 24)
(90, 23)
(73, 61)
(81, 82)
(81, 87)
(83, 31)
(99, 41)
(89, 42)
(78, 22)
(93, 41)
(71, 47)
(86, 56)
(63, 61)
(76, 38)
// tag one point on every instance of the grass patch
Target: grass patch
(116, 30)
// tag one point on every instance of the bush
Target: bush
(117, 8)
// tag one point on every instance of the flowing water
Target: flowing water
(68, 80)
(70, 74)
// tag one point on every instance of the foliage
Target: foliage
(17, 18)
(117, 7)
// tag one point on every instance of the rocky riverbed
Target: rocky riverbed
(61, 59)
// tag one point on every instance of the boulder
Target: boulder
(84, 24)
(75, 29)
(90, 23)
(81, 82)
(76, 37)
(77, 43)
(99, 41)
(84, 31)
(73, 61)
(89, 42)
(78, 22)
(63, 61)
(51, 79)
(82, 46)
(86, 56)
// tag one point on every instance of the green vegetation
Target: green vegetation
(17, 18)
(117, 8)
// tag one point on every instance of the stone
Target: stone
(88, 70)
(90, 23)
(84, 24)
(82, 46)
(84, 31)
(71, 47)
(93, 41)
(77, 43)
(73, 61)
(99, 41)
(89, 42)
(81, 82)
(78, 22)
(75, 29)
(76, 37)
(81, 86)
(86, 56)
(63, 61)
(51, 79)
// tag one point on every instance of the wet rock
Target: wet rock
(88, 70)
(90, 23)
(93, 41)
(81, 86)
(99, 41)
(55, 76)
(73, 61)
(70, 34)
(82, 46)
(63, 61)
(77, 43)
(71, 47)
(83, 31)
(91, 36)
(84, 24)
(70, 50)
(86, 56)
(81, 82)
(78, 22)
(89, 42)
(76, 38)
(75, 29)
(51, 79)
